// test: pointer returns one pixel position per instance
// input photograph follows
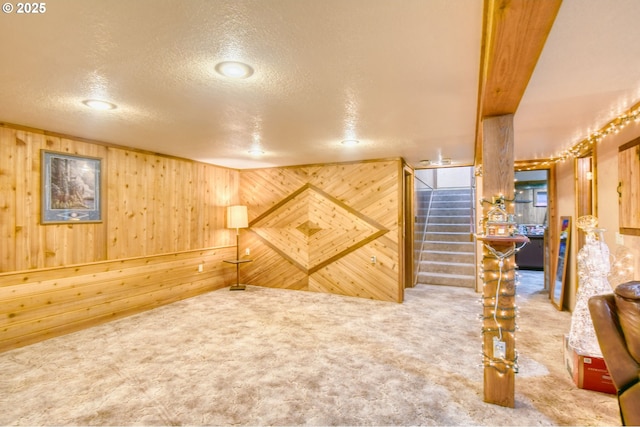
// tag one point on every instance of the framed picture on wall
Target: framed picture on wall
(71, 188)
(540, 198)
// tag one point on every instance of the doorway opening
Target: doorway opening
(531, 210)
(444, 224)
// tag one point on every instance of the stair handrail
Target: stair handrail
(472, 220)
(424, 231)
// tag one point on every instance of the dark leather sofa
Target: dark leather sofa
(616, 320)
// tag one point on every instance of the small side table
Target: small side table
(237, 262)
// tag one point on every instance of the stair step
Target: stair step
(449, 206)
(436, 204)
(450, 236)
(447, 279)
(441, 192)
(455, 202)
(449, 246)
(448, 228)
(458, 268)
(451, 211)
(423, 195)
(447, 256)
(450, 219)
(462, 250)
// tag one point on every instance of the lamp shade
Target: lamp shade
(237, 217)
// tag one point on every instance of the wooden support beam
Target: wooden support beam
(499, 280)
(514, 34)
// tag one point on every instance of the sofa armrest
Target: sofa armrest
(630, 407)
(621, 365)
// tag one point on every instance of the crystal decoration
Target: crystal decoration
(593, 268)
(622, 266)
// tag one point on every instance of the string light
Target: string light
(498, 320)
(582, 147)
(621, 266)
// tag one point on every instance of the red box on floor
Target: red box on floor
(588, 372)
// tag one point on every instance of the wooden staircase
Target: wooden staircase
(445, 249)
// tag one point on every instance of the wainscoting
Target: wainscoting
(39, 304)
(162, 221)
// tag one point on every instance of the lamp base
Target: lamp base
(237, 288)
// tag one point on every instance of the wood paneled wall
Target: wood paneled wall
(44, 303)
(317, 228)
(152, 205)
(26, 244)
(162, 217)
(160, 204)
(525, 210)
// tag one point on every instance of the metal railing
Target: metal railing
(429, 188)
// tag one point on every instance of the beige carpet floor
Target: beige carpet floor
(277, 357)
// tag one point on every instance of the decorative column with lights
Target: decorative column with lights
(500, 243)
(497, 234)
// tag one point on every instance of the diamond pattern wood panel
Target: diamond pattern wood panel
(317, 227)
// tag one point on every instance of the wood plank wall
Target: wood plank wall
(316, 228)
(160, 204)
(526, 211)
(39, 304)
(156, 208)
(25, 243)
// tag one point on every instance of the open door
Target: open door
(585, 186)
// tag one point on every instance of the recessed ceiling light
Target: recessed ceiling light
(350, 142)
(233, 69)
(97, 104)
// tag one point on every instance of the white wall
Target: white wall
(451, 177)
(607, 184)
(454, 177)
(607, 202)
(425, 176)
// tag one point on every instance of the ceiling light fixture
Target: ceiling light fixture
(234, 70)
(97, 104)
(445, 161)
(350, 142)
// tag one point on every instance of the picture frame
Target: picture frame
(71, 188)
(540, 198)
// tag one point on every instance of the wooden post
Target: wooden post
(497, 180)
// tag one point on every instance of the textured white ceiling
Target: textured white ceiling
(401, 76)
(588, 74)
